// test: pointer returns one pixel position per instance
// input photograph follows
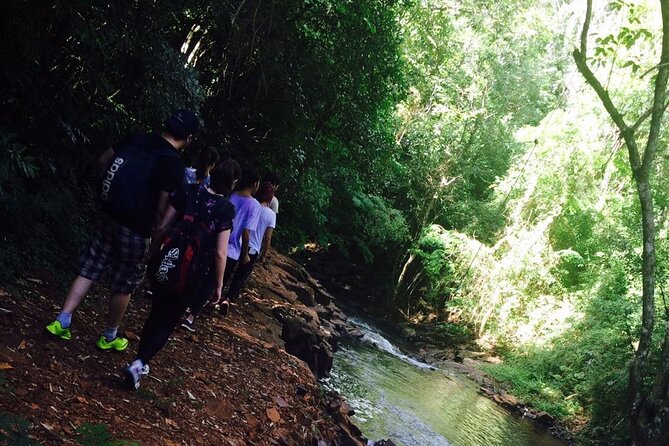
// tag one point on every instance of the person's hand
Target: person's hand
(246, 259)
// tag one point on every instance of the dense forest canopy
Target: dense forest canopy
(455, 145)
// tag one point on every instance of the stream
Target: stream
(400, 398)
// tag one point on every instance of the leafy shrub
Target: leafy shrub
(14, 431)
(585, 369)
(98, 435)
(569, 268)
(376, 227)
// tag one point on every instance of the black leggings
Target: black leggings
(209, 283)
(166, 312)
(239, 277)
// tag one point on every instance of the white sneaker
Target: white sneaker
(133, 373)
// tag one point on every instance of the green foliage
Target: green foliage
(438, 250)
(569, 268)
(306, 89)
(15, 163)
(14, 431)
(471, 86)
(98, 435)
(442, 259)
(555, 289)
(457, 334)
(584, 370)
(376, 227)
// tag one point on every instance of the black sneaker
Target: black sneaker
(188, 325)
(223, 307)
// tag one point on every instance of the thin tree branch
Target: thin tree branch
(580, 57)
(646, 114)
(654, 68)
(660, 88)
(586, 28)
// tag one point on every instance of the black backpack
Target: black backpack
(126, 184)
(179, 266)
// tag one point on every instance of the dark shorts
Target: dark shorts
(118, 249)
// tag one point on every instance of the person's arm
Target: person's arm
(266, 243)
(105, 159)
(161, 229)
(221, 259)
(170, 171)
(244, 255)
(161, 207)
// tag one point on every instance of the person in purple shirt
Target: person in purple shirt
(259, 242)
(247, 213)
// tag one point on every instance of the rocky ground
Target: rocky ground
(244, 379)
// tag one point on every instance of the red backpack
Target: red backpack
(179, 266)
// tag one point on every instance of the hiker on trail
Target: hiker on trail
(199, 219)
(139, 173)
(261, 238)
(247, 213)
(273, 178)
(259, 241)
(203, 163)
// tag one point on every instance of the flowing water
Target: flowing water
(400, 398)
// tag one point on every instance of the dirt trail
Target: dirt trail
(230, 383)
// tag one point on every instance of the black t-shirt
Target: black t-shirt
(167, 176)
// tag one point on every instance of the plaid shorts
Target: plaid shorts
(118, 249)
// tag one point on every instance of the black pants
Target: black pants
(166, 312)
(209, 283)
(205, 292)
(239, 277)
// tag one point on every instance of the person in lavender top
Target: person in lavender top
(259, 241)
(246, 219)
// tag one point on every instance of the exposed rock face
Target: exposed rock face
(311, 324)
(305, 339)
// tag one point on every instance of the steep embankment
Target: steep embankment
(235, 381)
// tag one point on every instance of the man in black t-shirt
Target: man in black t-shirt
(120, 241)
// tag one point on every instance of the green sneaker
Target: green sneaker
(119, 344)
(57, 330)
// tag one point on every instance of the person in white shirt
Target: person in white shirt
(274, 179)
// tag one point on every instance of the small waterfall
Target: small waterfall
(403, 399)
(375, 338)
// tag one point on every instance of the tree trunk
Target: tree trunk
(642, 410)
(649, 414)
